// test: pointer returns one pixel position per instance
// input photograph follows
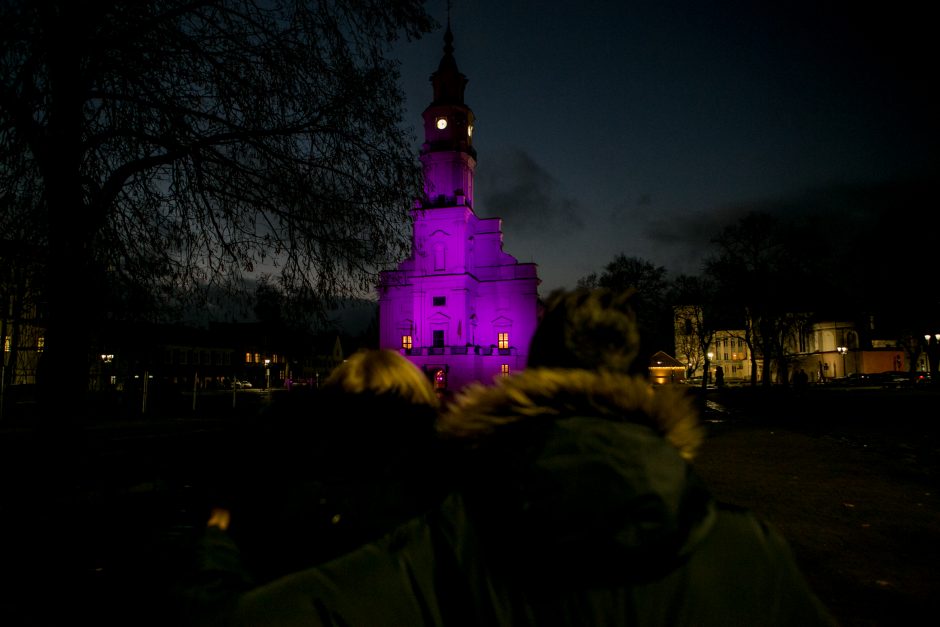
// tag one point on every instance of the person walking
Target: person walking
(576, 503)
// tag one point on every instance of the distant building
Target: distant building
(664, 368)
(459, 307)
(825, 349)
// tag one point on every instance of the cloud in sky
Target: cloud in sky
(518, 189)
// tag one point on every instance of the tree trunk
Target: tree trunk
(63, 368)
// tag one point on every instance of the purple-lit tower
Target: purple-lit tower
(459, 307)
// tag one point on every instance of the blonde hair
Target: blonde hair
(383, 371)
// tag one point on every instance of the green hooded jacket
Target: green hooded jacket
(577, 506)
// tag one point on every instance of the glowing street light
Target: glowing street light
(933, 354)
(842, 351)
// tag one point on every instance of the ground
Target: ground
(850, 479)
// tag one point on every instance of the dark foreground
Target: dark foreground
(97, 525)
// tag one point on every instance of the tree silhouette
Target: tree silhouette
(696, 318)
(758, 269)
(169, 145)
(654, 317)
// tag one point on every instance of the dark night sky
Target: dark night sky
(644, 127)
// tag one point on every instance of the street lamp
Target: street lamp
(933, 354)
(842, 351)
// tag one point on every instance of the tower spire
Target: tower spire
(448, 82)
(448, 41)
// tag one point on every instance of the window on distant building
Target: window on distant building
(6, 344)
(247, 358)
(440, 301)
(504, 370)
(502, 340)
(438, 339)
(40, 343)
(406, 342)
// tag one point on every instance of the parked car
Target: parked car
(886, 379)
(241, 384)
(921, 378)
(890, 379)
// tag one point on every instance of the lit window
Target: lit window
(406, 342)
(504, 370)
(257, 358)
(247, 358)
(40, 343)
(6, 344)
(502, 340)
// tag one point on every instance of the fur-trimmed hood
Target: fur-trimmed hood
(573, 471)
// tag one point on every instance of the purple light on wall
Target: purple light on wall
(459, 307)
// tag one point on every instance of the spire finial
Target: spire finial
(448, 36)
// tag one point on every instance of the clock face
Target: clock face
(470, 130)
(442, 123)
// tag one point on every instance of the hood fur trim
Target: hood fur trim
(551, 393)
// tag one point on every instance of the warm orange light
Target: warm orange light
(219, 517)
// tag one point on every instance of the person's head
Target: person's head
(589, 329)
(383, 372)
